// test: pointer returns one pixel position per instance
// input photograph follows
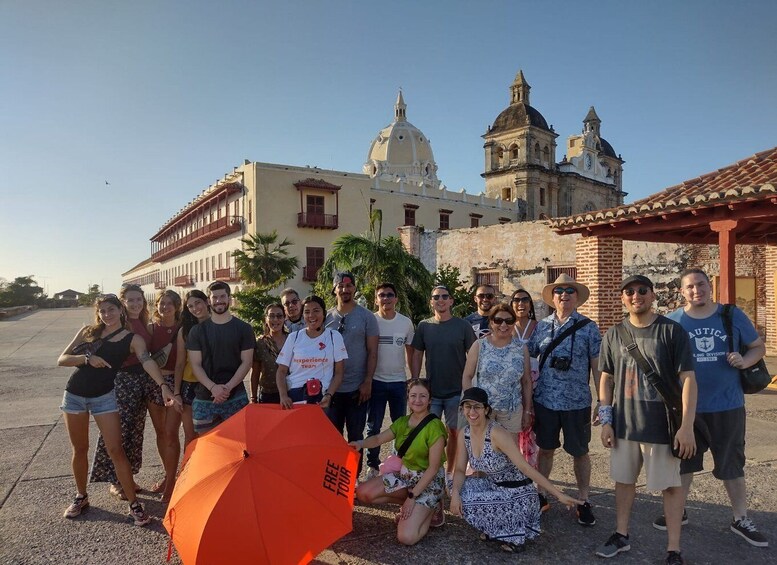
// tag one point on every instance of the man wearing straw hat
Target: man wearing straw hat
(567, 344)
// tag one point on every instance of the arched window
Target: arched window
(546, 154)
(514, 152)
(537, 151)
(507, 194)
(542, 196)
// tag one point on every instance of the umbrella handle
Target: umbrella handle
(170, 541)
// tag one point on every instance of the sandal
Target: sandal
(484, 537)
(158, 487)
(508, 547)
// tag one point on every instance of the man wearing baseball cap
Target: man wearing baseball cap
(644, 349)
(567, 344)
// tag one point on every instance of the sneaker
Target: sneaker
(544, 504)
(674, 558)
(80, 503)
(439, 516)
(747, 530)
(137, 513)
(660, 522)
(585, 516)
(615, 544)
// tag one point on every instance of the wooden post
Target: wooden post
(727, 241)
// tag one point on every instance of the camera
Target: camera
(561, 363)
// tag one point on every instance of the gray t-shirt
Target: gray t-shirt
(355, 327)
(638, 410)
(446, 345)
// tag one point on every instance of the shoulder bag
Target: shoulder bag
(673, 401)
(756, 377)
(561, 337)
(160, 357)
(393, 463)
(89, 348)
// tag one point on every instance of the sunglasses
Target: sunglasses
(276, 316)
(341, 327)
(559, 290)
(386, 295)
(292, 301)
(104, 296)
(441, 296)
(483, 295)
(522, 299)
(500, 321)
(643, 290)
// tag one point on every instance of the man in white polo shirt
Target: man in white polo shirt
(394, 355)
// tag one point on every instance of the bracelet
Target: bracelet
(605, 414)
(212, 387)
(327, 394)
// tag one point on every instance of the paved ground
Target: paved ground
(36, 486)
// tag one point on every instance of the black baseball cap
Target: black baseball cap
(637, 279)
(475, 394)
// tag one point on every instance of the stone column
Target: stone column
(599, 262)
(771, 306)
(410, 236)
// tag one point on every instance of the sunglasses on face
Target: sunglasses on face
(486, 295)
(386, 295)
(500, 321)
(568, 290)
(292, 301)
(276, 316)
(643, 290)
(441, 296)
(522, 299)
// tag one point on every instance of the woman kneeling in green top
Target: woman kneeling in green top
(419, 484)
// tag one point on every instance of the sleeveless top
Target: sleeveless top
(494, 463)
(499, 373)
(91, 382)
(132, 362)
(266, 353)
(159, 340)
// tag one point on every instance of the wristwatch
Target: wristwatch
(410, 494)
(87, 355)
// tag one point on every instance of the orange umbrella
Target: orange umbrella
(266, 486)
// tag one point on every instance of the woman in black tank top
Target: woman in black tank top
(97, 352)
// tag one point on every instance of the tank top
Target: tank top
(160, 338)
(138, 327)
(92, 382)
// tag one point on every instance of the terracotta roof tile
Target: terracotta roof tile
(749, 179)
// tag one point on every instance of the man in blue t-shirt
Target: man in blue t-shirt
(720, 410)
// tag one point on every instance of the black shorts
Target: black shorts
(723, 433)
(576, 425)
(188, 392)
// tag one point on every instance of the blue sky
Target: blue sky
(161, 98)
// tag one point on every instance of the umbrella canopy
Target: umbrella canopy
(265, 486)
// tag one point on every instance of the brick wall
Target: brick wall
(599, 264)
(770, 289)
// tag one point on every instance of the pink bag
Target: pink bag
(392, 464)
(527, 443)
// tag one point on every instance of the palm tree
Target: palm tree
(264, 261)
(374, 259)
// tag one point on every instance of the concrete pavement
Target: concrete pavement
(36, 486)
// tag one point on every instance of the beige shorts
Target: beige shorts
(511, 421)
(661, 467)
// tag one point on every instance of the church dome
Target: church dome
(401, 152)
(519, 115)
(607, 148)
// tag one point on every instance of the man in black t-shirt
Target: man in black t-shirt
(633, 414)
(220, 352)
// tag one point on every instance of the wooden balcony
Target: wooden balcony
(160, 285)
(226, 275)
(319, 221)
(184, 280)
(207, 233)
(310, 272)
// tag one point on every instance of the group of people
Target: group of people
(501, 390)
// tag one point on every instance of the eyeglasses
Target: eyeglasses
(500, 321)
(643, 290)
(483, 295)
(276, 316)
(569, 290)
(475, 407)
(292, 301)
(441, 296)
(386, 295)
(522, 299)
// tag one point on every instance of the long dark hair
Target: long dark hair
(188, 320)
(95, 330)
(172, 295)
(125, 288)
(532, 315)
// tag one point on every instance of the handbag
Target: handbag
(756, 377)
(393, 463)
(89, 348)
(673, 401)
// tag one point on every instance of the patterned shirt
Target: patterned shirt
(570, 389)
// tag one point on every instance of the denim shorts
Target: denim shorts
(450, 408)
(75, 404)
(188, 392)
